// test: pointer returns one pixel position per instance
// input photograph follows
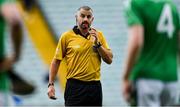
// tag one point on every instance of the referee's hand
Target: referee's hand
(94, 33)
(51, 92)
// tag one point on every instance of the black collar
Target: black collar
(77, 31)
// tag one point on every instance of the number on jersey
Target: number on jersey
(165, 23)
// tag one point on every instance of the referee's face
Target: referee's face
(84, 18)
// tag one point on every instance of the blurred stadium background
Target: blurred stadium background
(60, 15)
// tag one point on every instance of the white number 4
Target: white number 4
(165, 23)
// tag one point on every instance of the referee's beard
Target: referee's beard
(85, 26)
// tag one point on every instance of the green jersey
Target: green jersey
(4, 83)
(158, 57)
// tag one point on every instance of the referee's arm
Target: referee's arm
(53, 69)
(52, 74)
(106, 54)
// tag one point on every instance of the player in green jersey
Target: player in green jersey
(151, 63)
(8, 16)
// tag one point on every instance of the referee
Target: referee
(83, 47)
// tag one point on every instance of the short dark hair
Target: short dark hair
(85, 8)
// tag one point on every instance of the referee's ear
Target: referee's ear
(92, 19)
(76, 14)
(76, 18)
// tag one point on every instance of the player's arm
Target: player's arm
(52, 74)
(16, 34)
(135, 43)
(135, 22)
(12, 17)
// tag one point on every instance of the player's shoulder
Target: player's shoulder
(148, 1)
(129, 3)
(140, 2)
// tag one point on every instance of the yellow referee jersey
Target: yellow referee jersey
(83, 61)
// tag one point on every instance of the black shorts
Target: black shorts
(80, 93)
